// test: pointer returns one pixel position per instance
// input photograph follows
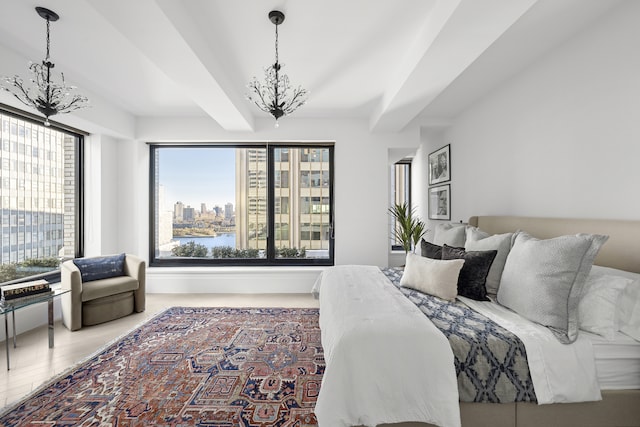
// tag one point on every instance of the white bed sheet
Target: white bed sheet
(385, 361)
(561, 373)
(617, 361)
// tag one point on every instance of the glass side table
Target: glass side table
(12, 307)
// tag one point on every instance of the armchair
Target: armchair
(102, 289)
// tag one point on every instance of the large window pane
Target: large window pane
(401, 194)
(269, 192)
(39, 198)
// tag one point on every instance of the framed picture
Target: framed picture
(440, 165)
(440, 202)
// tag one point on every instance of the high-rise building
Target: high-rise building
(165, 222)
(188, 214)
(301, 194)
(178, 211)
(37, 191)
(228, 211)
(203, 208)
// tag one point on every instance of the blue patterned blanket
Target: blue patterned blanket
(491, 362)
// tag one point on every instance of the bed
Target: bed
(620, 401)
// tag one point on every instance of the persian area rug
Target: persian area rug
(192, 367)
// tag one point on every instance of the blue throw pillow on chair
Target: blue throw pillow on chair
(100, 267)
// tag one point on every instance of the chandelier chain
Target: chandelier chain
(276, 44)
(48, 40)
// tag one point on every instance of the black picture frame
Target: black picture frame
(440, 202)
(440, 165)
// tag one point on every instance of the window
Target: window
(401, 193)
(40, 198)
(267, 205)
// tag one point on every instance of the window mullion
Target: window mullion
(271, 249)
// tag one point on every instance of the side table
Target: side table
(12, 307)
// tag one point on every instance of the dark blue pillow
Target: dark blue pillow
(100, 267)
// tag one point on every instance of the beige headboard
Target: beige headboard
(622, 250)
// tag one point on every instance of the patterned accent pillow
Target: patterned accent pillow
(543, 279)
(97, 268)
(473, 276)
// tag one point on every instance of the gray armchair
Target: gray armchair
(102, 300)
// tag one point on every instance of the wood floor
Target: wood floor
(34, 363)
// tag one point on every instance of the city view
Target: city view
(212, 202)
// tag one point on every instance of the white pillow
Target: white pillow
(630, 310)
(432, 276)
(598, 307)
(543, 279)
(452, 234)
(478, 240)
(629, 302)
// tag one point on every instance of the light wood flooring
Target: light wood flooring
(34, 363)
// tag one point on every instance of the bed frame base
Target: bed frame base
(618, 408)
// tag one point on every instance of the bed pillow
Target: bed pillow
(629, 303)
(431, 276)
(598, 307)
(97, 268)
(430, 250)
(629, 306)
(473, 275)
(450, 234)
(543, 279)
(478, 240)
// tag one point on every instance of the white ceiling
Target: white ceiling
(386, 61)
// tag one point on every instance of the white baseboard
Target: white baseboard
(195, 280)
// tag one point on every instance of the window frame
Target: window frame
(270, 258)
(408, 162)
(79, 138)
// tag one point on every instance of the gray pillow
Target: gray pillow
(478, 240)
(429, 250)
(450, 234)
(543, 279)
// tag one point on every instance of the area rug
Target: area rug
(192, 367)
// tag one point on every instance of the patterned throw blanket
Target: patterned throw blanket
(491, 362)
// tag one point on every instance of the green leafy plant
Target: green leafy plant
(409, 229)
(190, 249)
(291, 253)
(229, 252)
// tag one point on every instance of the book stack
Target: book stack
(23, 292)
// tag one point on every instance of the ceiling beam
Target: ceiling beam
(455, 34)
(164, 33)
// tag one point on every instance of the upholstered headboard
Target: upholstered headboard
(621, 251)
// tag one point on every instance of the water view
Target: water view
(223, 239)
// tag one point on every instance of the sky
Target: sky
(197, 175)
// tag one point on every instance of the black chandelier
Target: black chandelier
(43, 94)
(275, 95)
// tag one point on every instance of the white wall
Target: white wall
(561, 139)
(361, 183)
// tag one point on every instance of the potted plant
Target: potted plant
(409, 229)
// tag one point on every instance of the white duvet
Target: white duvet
(385, 361)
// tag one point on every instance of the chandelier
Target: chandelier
(274, 95)
(43, 94)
